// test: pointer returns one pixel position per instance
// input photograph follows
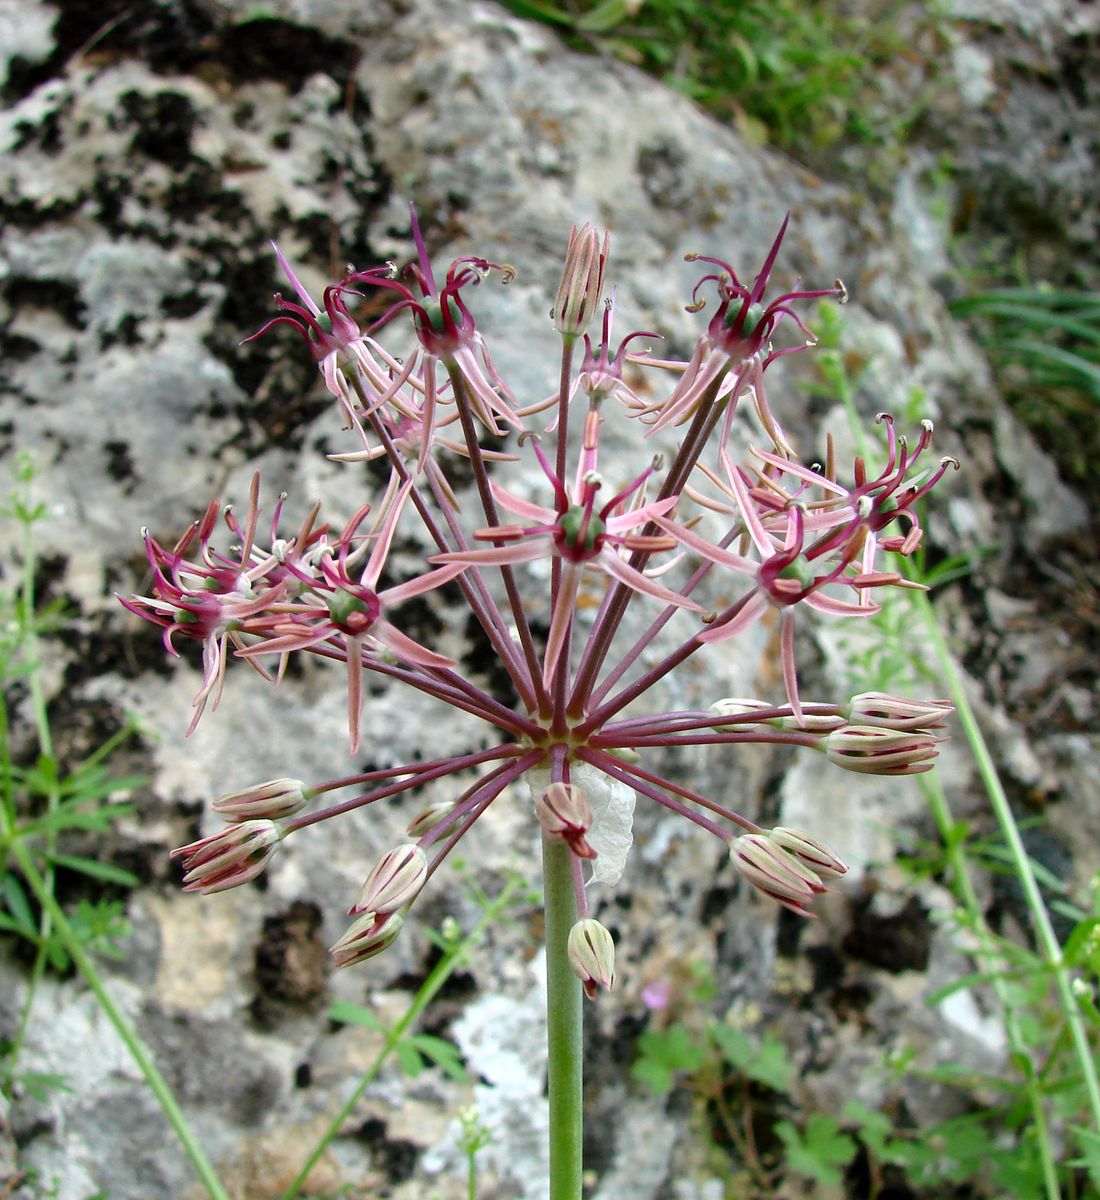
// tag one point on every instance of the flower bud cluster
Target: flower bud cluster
(230, 857)
(787, 865)
(874, 750)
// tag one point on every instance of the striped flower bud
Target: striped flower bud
(809, 851)
(230, 857)
(775, 872)
(591, 952)
(581, 281)
(872, 750)
(898, 712)
(564, 813)
(737, 711)
(394, 883)
(430, 818)
(274, 800)
(369, 935)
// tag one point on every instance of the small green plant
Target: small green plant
(1043, 991)
(798, 75)
(44, 802)
(1044, 344)
(743, 1081)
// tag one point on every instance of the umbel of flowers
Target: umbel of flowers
(786, 537)
(772, 534)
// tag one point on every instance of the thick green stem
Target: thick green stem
(563, 1024)
(140, 1054)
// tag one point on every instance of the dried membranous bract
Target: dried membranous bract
(548, 574)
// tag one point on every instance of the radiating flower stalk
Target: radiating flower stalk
(772, 536)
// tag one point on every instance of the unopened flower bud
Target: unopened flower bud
(563, 812)
(395, 881)
(742, 713)
(592, 956)
(809, 851)
(872, 750)
(230, 857)
(739, 711)
(775, 872)
(581, 281)
(274, 800)
(369, 935)
(432, 817)
(898, 712)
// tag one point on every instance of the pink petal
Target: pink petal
(610, 562)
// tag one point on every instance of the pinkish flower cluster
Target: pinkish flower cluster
(771, 535)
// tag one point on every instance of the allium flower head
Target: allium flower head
(572, 709)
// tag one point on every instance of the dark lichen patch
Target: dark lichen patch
(115, 644)
(43, 135)
(715, 903)
(281, 409)
(127, 332)
(460, 985)
(394, 1157)
(166, 33)
(165, 122)
(120, 464)
(291, 965)
(25, 213)
(53, 295)
(484, 664)
(109, 194)
(16, 347)
(201, 190)
(271, 48)
(895, 943)
(178, 306)
(1055, 861)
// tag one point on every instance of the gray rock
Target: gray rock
(138, 198)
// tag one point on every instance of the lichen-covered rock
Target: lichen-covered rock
(149, 153)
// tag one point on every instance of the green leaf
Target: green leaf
(343, 1012)
(819, 1151)
(443, 1053)
(531, 11)
(39, 1085)
(409, 1059)
(975, 978)
(1083, 945)
(655, 1075)
(1088, 1141)
(874, 1127)
(765, 1062)
(663, 1053)
(19, 906)
(604, 17)
(105, 872)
